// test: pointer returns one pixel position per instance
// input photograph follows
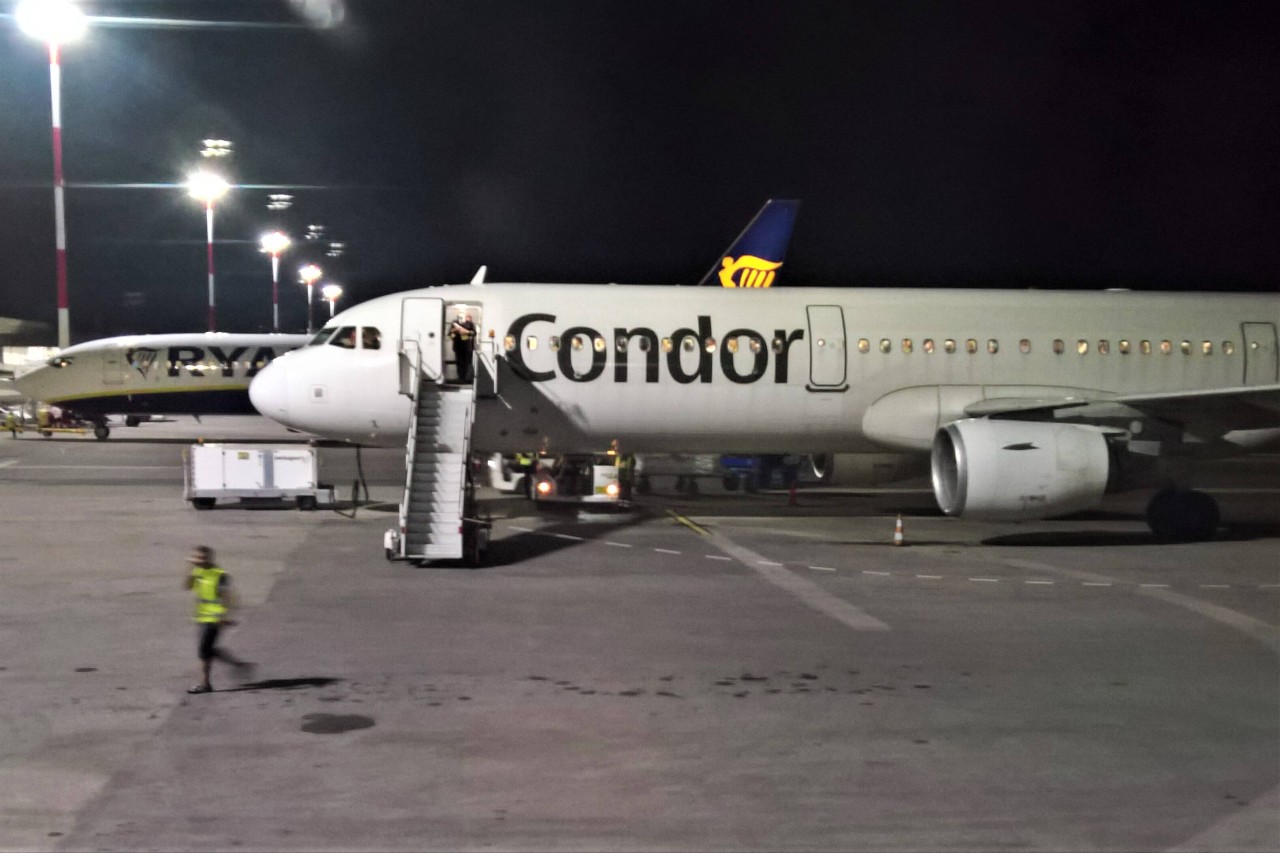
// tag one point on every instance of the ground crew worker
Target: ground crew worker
(214, 600)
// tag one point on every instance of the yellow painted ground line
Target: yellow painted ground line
(696, 528)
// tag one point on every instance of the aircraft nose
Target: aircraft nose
(269, 392)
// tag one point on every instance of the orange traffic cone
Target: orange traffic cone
(897, 532)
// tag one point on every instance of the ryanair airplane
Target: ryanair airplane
(1032, 404)
(137, 375)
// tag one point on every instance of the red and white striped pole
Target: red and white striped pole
(213, 311)
(59, 205)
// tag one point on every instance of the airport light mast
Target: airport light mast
(331, 293)
(309, 275)
(56, 22)
(208, 187)
(274, 243)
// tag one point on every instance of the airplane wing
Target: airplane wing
(1213, 412)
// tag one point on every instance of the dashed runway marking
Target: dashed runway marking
(719, 557)
(618, 544)
(665, 551)
(985, 580)
(567, 536)
(822, 568)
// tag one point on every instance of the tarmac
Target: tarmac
(721, 672)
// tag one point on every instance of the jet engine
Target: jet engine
(1008, 470)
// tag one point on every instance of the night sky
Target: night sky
(1007, 144)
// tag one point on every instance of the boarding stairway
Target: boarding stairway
(438, 507)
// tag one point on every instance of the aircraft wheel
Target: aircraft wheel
(101, 431)
(47, 433)
(203, 503)
(131, 420)
(1178, 515)
(306, 503)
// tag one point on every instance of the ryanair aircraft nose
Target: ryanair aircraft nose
(269, 391)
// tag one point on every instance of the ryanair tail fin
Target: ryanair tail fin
(756, 256)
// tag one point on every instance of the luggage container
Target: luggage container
(212, 471)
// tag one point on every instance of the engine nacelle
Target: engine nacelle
(1005, 470)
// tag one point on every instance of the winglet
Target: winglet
(753, 260)
(478, 278)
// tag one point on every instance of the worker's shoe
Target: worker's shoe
(200, 688)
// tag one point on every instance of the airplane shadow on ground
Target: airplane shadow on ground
(551, 538)
(1238, 532)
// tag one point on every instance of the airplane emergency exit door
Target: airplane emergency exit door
(827, 351)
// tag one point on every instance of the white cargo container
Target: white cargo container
(213, 471)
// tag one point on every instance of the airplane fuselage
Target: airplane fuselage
(581, 368)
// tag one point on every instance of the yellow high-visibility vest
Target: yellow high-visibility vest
(207, 584)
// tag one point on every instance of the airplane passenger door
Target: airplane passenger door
(421, 340)
(827, 367)
(1260, 367)
(112, 366)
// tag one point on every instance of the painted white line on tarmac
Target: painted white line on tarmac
(665, 551)
(930, 577)
(1153, 586)
(618, 544)
(1094, 583)
(1259, 630)
(1041, 583)
(1215, 586)
(985, 580)
(6, 463)
(822, 568)
(522, 529)
(719, 557)
(567, 536)
(879, 574)
(806, 591)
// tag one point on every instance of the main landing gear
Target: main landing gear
(1183, 515)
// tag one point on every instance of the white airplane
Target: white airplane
(140, 375)
(1032, 403)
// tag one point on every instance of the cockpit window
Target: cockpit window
(345, 338)
(370, 338)
(322, 336)
(60, 361)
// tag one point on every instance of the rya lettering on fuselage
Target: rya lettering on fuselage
(194, 361)
(653, 352)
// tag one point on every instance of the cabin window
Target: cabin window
(668, 345)
(864, 345)
(949, 345)
(709, 344)
(1228, 348)
(1024, 346)
(756, 344)
(1206, 347)
(553, 343)
(1124, 347)
(322, 336)
(1058, 346)
(971, 345)
(644, 344)
(1145, 347)
(576, 343)
(731, 345)
(777, 345)
(1165, 347)
(1186, 347)
(1104, 347)
(61, 361)
(906, 345)
(345, 338)
(1082, 346)
(927, 346)
(370, 338)
(598, 344)
(620, 343)
(509, 342)
(993, 346)
(688, 345)
(886, 346)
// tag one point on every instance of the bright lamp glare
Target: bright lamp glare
(275, 242)
(309, 273)
(206, 186)
(52, 21)
(331, 292)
